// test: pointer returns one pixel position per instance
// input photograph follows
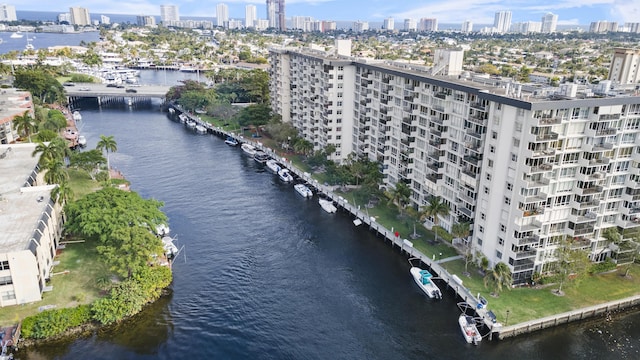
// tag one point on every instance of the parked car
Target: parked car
(120, 86)
(69, 83)
(84, 89)
(131, 90)
(112, 85)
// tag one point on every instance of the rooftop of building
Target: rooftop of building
(21, 205)
(493, 86)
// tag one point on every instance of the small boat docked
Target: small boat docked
(273, 166)
(231, 141)
(200, 129)
(17, 35)
(191, 124)
(469, 329)
(327, 205)
(285, 175)
(170, 249)
(162, 230)
(82, 141)
(183, 118)
(248, 149)
(303, 190)
(424, 281)
(260, 156)
(77, 116)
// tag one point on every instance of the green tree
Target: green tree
(24, 124)
(498, 277)
(40, 84)
(399, 196)
(572, 262)
(461, 230)
(88, 161)
(56, 172)
(130, 249)
(55, 150)
(108, 144)
(62, 193)
(303, 146)
(434, 209)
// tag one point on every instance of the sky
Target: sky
(570, 12)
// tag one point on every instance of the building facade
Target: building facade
(531, 170)
(8, 13)
(428, 24)
(388, 24)
(250, 16)
(625, 67)
(222, 15)
(80, 16)
(502, 22)
(549, 23)
(169, 13)
(145, 20)
(467, 26)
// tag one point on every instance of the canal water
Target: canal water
(266, 274)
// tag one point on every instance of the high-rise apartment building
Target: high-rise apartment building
(427, 24)
(80, 16)
(502, 21)
(527, 27)
(105, 20)
(282, 19)
(250, 16)
(388, 24)
(467, 26)
(603, 26)
(549, 23)
(360, 26)
(410, 25)
(8, 13)
(532, 170)
(222, 15)
(143, 20)
(272, 14)
(632, 27)
(169, 13)
(625, 67)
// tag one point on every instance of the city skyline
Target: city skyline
(570, 12)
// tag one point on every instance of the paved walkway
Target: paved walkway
(457, 257)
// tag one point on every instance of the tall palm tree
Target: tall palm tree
(55, 150)
(399, 195)
(498, 277)
(108, 144)
(461, 231)
(55, 172)
(62, 193)
(24, 124)
(435, 208)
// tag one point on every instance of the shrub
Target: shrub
(81, 78)
(602, 267)
(51, 323)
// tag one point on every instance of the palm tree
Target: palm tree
(24, 124)
(435, 208)
(108, 144)
(55, 172)
(498, 277)
(55, 150)
(303, 146)
(461, 231)
(62, 193)
(399, 196)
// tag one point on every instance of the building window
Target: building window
(483, 216)
(498, 254)
(480, 229)
(507, 200)
(503, 229)
(514, 157)
(340, 77)
(490, 163)
(500, 241)
(6, 280)
(494, 135)
(492, 149)
(479, 241)
(9, 295)
(509, 186)
(486, 190)
(489, 177)
(4, 265)
(516, 142)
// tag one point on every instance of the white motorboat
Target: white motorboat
(248, 149)
(82, 141)
(273, 166)
(200, 129)
(469, 329)
(170, 249)
(261, 156)
(303, 190)
(183, 118)
(285, 175)
(424, 281)
(162, 230)
(191, 124)
(231, 141)
(77, 116)
(327, 205)
(16, 35)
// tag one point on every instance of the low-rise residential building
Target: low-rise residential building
(12, 103)
(530, 167)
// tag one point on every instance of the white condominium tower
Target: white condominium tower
(271, 14)
(388, 24)
(169, 13)
(467, 26)
(502, 21)
(250, 16)
(532, 170)
(549, 23)
(80, 16)
(222, 15)
(8, 13)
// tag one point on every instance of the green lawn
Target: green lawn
(69, 289)
(81, 183)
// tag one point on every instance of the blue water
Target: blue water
(45, 40)
(266, 274)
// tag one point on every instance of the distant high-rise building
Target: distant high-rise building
(388, 24)
(549, 23)
(271, 14)
(105, 20)
(222, 15)
(360, 26)
(169, 13)
(502, 21)
(262, 24)
(467, 27)
(143, 20)
(328, 26)
(282, 20)
(632, 27)
(603, 26)
(8, 13)
(250, 16)
(304, 23)
(64, 17)
(410, 25)
(80, 16)
(527, 27)
(625, 66)
(428, 24)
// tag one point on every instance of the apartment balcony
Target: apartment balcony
(473, 133)
(550, 136)
(441, 95)
(538, 182)
(526, 254)
(468, 177)
(608, 117)
(434, 178)
(633, 210)
(435, 155)
(436, 144)
(439, 108)
(523, 265)
(533, 212)
(549, 121)
(473, 159)
(535, 225)
(539, 169)
(600, 132)
(582, 219)
(586, 204)
(542, 153)
(478, 120)
(597, 147)
(478, 106)
(468, 213)
(593, 189)
(530, 240)
(434, 166)
(436, 120)
(627, 222)
(594, 162)
(632, 184)
(580, 230)
(467, 199)
(633, 196)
